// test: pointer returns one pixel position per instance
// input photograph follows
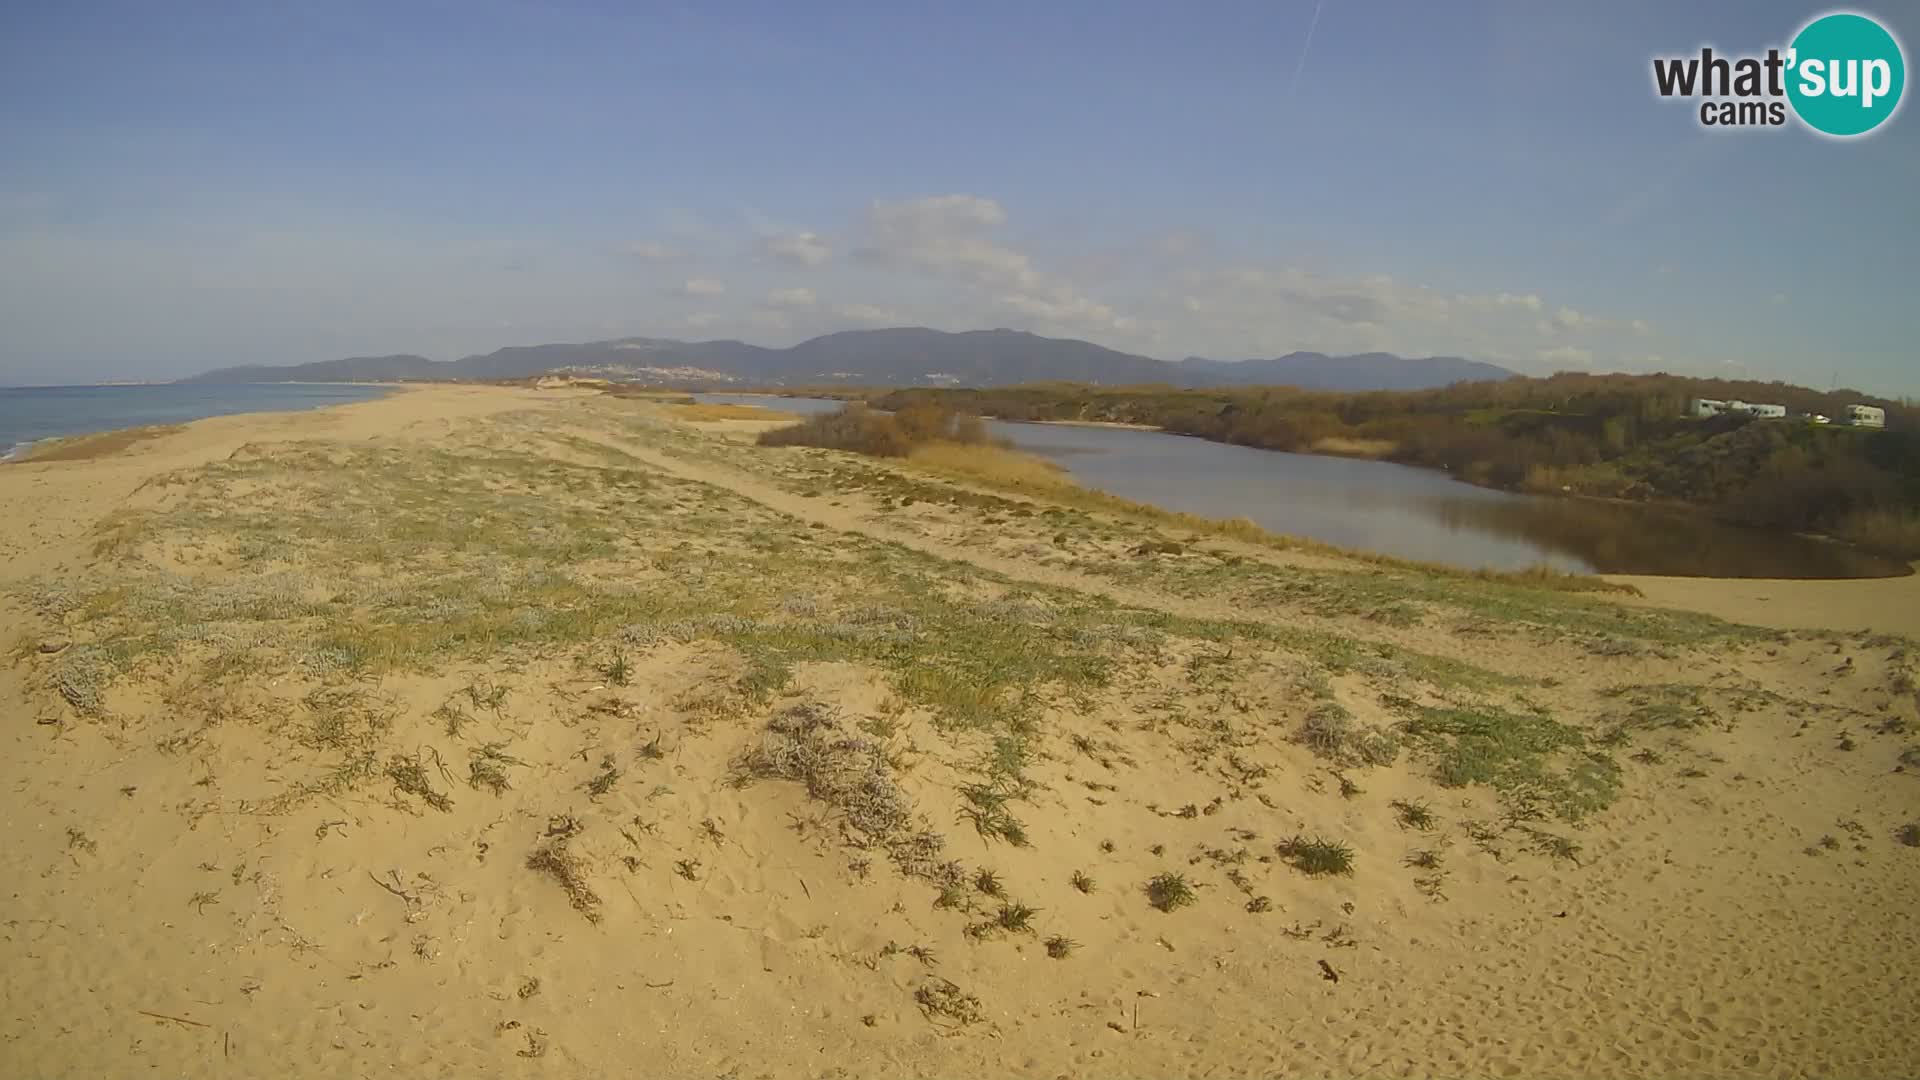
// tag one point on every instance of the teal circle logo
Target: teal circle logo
(1845, 74)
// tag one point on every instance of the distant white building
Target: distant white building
(1866, 416)
(1705, 407)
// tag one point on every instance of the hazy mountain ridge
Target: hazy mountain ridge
(903, 356)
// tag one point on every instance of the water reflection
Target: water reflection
(1411, 513)
(1620, 539)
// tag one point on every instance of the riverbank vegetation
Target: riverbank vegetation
(954, 446)
(1615, 436)
(882, 434)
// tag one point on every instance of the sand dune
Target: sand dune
(480, 731)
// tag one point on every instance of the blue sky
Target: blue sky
(193, 185)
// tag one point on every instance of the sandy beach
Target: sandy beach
(479, 731)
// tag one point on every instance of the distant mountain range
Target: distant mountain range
(907, 356)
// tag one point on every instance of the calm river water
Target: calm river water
(1407, 512)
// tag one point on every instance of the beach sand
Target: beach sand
(1886, 605)
(480, 731)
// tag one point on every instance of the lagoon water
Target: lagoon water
(1411, 513)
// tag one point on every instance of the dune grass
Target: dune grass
(1537, 764)
(336, 570)
(481, 555)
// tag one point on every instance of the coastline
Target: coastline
(25, 450)
(467, 713)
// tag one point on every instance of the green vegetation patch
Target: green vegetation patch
(1538, 765)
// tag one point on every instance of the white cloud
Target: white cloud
(1061, 307)
(651, 251)
(791, 298)
(701, 320)
(798, 248)
(947, 235)
(703, 287)
(951, 237)
(1639, 326)
(870, 314)
(1563, 356)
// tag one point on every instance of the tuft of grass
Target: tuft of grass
(1016, 918)
(1060, 947)
(483, 693)
(987, 809)
(453, 718)
(410, 775)
(1082, 882)
(603, 782)
(942, 998)
(618, 671)
(1414, 814)
(487, 767)
(1259, 905)
(1317, 857)
(1329, 731)
(1326, 731)
(988, 882)
(1560, 847)
(1908, 834)
(851, 773)
(1170, 891)
(1426, 859)
(557, 862)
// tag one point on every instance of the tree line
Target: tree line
(1619, 436)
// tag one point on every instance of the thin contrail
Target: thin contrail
(1304, 49)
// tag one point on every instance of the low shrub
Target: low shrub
(863, 430)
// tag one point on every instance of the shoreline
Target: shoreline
(1662, 506)
(1877, 604)
(34, 450)
(502, 720)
